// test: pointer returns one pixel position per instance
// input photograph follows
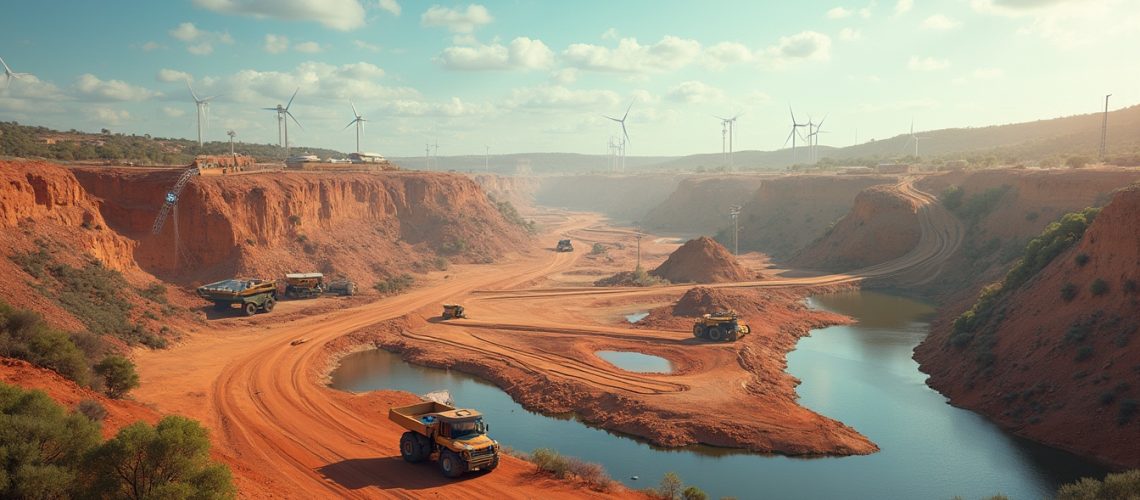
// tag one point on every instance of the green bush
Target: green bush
(155, 293)
(1077, 161)
(118, 374)
(508, 211)
(1098, 287)
(169, 460)
(563, 467)
(42, 447)
(1069, 292)
(694, 493)
(395, 285)
(1081, 259)
(1116, 486)
(952, 198)
(598, 249)
(24, 335)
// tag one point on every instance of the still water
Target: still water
(636, 361)
(861, 374)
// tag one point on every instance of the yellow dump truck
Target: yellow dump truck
(251, 295)
(459, 436)
(720, 326)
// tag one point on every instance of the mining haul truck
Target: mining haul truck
(304, 285)
(453, 311)
(251, 295)
(720, 326)
(564, 246)
(459, 436)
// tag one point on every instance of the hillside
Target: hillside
(701, 205)
(882, 225)
(1052, 353)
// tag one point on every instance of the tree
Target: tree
(670, 486)
(118, 375)
(170, 460)
(694, 493)
(41, 446)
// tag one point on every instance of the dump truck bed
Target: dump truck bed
(411, 417)
(236, 288)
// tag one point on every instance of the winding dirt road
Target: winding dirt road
(287, 435)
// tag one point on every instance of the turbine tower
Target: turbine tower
(731, 122)
(203, 104)
(231, 133)
(624, 134)
(9, 74)
(282, 121)
(723, 141)
(359, 122)
(794, 133)
(1104, 128)
(914, 138)
(813, 139)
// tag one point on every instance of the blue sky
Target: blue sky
(528, 76)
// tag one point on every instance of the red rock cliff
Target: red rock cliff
(881, 226)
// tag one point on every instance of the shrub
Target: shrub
(119, 375)
(1076, 161)
(169, 460)
(92, 409)
(694, 493)
(1098, 287)
(1130, 286)
(440, 263)
(562, 467)
(1119, 485)
(670, 487)
(43, 447)
(295, 220)
(24, 335)
(1081, 259)
(1032, 216)
(952, 198)
(1069, 292)
(395, 285)
(598, 249)
(508, 211)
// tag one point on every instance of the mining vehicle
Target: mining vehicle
(564, 246)
(341, 286)
(459, 436)
(453, 311)
(720, 326)
(304, 285)
(249, 294)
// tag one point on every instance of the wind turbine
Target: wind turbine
(9, 74)
(723, 140)
(231, 133)
(813, 139)
(624, 133)
(282, 114)
(914, 138)
(359, 122)
(203, 104)
(731, 133)
(794, 133)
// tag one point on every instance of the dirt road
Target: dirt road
(287, 435)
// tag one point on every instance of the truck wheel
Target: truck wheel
(250, 308)
(269, 304)
(410, 448)
(716, 334)
(698, 331)
(451, 464)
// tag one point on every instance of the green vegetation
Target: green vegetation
(24, 335)
(672, 488)
(1117, 486)
(43, 447)
(395, 285)
(118, 374)
(1069, 292)
(598, 249)
(979, 205)
(1098, 287)
(952, 198)
(511, 214)
(564, 467)
(1077, 161)
(638, 277)
(1056, 238)
(1081, 259)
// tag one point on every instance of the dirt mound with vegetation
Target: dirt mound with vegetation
(881, 226)
(1052, 351)
(702, 260)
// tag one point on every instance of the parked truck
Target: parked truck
(304, 285)
(720, 326)
(249, 294)
(459, 436)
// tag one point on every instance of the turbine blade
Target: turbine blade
(192, 94)
(270, 109)
(791, 113)
(623, 117)
(626, 134)
(294, 119)
(789, 139)
(291, 98)
(820, 125)
(354, 112)
(6, 68)
(351, 123)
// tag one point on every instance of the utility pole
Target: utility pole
(639, 235)
(734, 211)
(1104, 128)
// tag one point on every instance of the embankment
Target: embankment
(881, 226)
(701, 205)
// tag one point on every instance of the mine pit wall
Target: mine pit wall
(362, 225)
(700, 205)
(624, 198)
(881, 226)
(518, 190)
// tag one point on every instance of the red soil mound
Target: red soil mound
(1056, 370)
(881, 226)
(702, 260)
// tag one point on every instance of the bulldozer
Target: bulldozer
(721, 326)
(453, 311)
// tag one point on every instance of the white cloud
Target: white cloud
(903, 6)
(521, 53)
(308, 47)
(927, 64)
(756, 98)
(850, 34)
(198, 41)
(152, 46)
(694, 92)
(806, 45)
(170, 75)
(726, 53)
(361, 44)
(939, 22)
(457, 21)
(838, 13)
(611, 34)
(173, 112)
(560, 97)
(1068, 24)
(317, 81)
(107, 116)
(392, 6)
(451, 108)
(276, 44)
(114, 90)
(631, 57)
(341, 15)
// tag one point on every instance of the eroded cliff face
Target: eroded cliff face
(364, 226)
(622, 197)
(518, 190)
(881, 226)
(700, 205)
(1059, 358)
(787, 213)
